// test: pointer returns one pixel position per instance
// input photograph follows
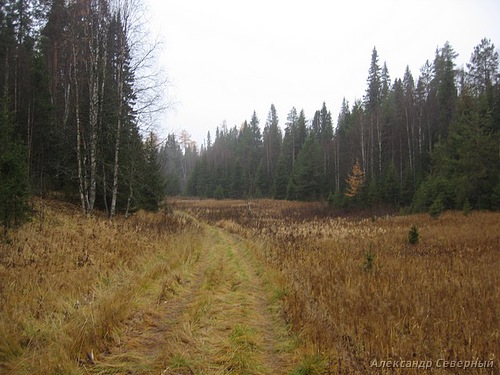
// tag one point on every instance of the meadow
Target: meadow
(362, 294)
(249, 287)
(68, 284)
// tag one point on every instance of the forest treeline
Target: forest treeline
(433, 141)
(75, 85)
(77, 89)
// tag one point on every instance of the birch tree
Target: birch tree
(121, 21)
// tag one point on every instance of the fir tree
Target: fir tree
(391, 184)
(306, 182)
(14, 185)
(153, 185)
(272, 147)
(286, 161)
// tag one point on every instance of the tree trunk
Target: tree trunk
(408, 138)
(363, 151)
(379, 143)
(93, 119)
(122, 37)
(337, 163)
(102, 94)
(130, 190)
(79, 156)
(117, 147)
(372, 147)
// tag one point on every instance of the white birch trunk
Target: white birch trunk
(79, 156)
(117, 141)
(408, 138)
(121, 65)
(93, 119)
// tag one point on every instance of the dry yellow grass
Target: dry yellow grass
(221, 319)
(155, 293)
(68, 284)
(160, 293)
(358, 291)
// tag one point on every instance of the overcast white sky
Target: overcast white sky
(226, 58)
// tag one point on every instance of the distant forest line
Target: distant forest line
(75, 99)
(429, 143)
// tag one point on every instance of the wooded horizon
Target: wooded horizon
(76, 92)
(411, 144)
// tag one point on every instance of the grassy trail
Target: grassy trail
(221, 316)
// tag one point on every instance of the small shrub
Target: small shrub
(219, 192)
(413, 235)
(310, 365)
(369, 261)
(466, 209)
(336, 200)
(436, 208)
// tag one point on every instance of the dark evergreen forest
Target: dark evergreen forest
(72, 95)
(73, 104)
(430, 142)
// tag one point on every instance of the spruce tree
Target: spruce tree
(372, 104)
(306, 182)
(391, 184)
(283, 173)
(237, 181)
(153, 185)
(286, 161)
(444, 89)
(272, 148)
(14, 184)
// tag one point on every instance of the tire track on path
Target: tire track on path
(218, 316)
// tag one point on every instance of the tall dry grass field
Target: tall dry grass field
(359, 291)
(68, 283)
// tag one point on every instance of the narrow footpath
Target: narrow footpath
(221, 315)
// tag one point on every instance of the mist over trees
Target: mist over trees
(77, 88)
(73, 91)
(408, 142)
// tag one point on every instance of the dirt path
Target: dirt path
(219, 314)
